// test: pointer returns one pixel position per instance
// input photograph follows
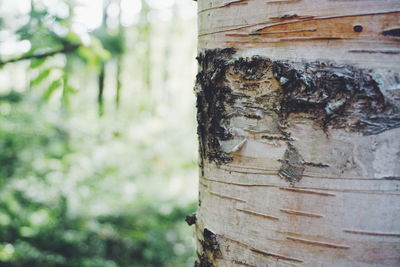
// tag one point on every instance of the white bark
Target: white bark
(287, 186)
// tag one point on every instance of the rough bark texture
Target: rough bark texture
(299, 124)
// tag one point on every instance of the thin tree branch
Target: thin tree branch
(65, 50)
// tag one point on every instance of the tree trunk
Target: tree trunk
(299, 128)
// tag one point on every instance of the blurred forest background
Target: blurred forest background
(97, 132)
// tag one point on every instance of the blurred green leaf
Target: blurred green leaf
(35, 63)
(12, 97)
(72, 37)
(112, 42)
(51, 89)
(94, 54)
(41, 77)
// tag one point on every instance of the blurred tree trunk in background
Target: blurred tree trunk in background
(119, 81)
(145, 34)
(299, 114)
(121, 35)
(100, 95)
(102, 65)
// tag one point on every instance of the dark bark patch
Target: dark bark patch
(242, 263)
(251, 69)
(391, 178)
(277, 137)
(337, 96)
(358, 28)
(392, 32)
(212, 97)
(210, 243)
(332, 95)
(316, 165)
(203, 261)
(210, 249)
(292, 165)
(191, 219)
(375, 124)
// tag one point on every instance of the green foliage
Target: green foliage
(77, 190)
(112, 41)
(52, 88)
(35, 63)
(41, 77)
(20, 134)
(40, 230)
(46, 33)
(48, 237)
(94, 54)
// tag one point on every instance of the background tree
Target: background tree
(299, 115)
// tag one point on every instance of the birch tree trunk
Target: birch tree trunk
(299, 128)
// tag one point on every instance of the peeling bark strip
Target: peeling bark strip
(333, 96)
